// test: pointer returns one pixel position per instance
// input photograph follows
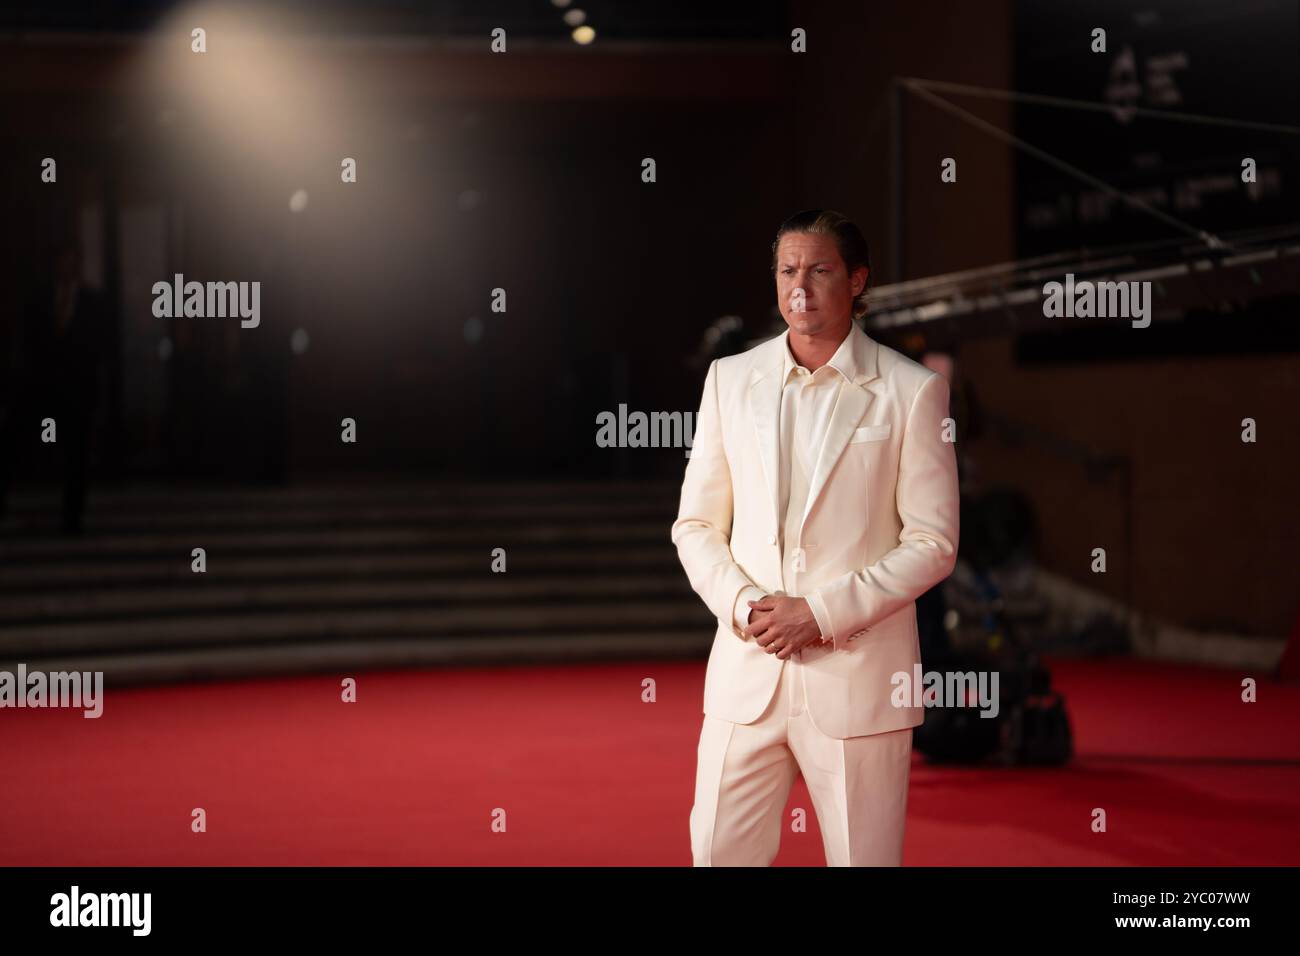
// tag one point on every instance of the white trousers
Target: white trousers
(744, 773)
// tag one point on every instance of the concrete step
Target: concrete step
(269, 540)
(104, 570)
(209, 597)
(348, 658)
(134, 634)
(366, 573)
(342, 514)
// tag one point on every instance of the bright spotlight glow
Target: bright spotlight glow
(583, 35)
(575, 16)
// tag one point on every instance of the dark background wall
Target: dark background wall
(522, 171)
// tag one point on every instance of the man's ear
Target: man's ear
(858, 281)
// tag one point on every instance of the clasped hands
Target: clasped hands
(782, 625)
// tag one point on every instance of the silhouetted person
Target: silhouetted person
(61, 347)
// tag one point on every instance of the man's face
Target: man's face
(813, 264)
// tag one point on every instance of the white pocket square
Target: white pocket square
(870, 433)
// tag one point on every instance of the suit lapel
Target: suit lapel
(852, 404)
(765, 408)
(849, 408)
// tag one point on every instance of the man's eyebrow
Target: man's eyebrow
(826, 262)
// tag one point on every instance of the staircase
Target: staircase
(342, 576)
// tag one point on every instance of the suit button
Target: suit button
(771, 539)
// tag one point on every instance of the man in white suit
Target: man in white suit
(819, 502)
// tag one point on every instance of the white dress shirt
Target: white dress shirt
(807, 401)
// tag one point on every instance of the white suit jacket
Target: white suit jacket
(879, 529)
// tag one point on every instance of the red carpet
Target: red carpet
(588, 774)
